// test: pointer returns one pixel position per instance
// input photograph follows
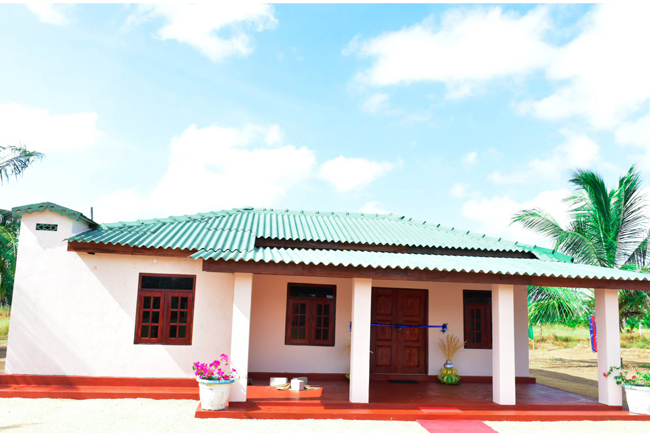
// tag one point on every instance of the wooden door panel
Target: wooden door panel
(412, 342)
(394, 350)
(383, 347)
(384, 356)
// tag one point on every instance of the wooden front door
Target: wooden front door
(395, 350)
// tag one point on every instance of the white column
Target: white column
(503, 344)
(360, 340)
(609, 346)
(241, 319)
(522, 361)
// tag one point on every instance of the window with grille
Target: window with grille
(477, 306)
(165, 309)
(310, 315)
(47, 227)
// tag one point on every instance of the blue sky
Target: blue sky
(452, 114)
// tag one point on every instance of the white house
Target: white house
(285, 292)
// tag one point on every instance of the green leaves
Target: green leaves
(608, 228)
(551, 305)
(14, 160)
(8, 251)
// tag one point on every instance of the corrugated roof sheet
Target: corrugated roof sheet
(237, 229)
(52, 207)
(384, 260)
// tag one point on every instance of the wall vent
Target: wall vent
(47, 227)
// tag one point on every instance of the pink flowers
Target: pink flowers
(216, 370)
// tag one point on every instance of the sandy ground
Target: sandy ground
(575, 369)
(3, 355)
(141, 415)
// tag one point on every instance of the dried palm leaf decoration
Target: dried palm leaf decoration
(450, 346)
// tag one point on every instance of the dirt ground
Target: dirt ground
(3, 355)
(161, 416)
(574, 369)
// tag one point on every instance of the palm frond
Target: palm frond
(542, 222)
(14, 160)
(549, 305)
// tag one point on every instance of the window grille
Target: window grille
(47, 227)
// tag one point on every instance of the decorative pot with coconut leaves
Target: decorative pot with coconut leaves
(448, 374)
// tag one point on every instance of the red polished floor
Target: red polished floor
(388, 401)
(422, 401)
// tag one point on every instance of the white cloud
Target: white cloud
(274, 135)
(41, 130)
(50, 13)
(374, 207)
(349, 174)
(600, 75)
(459, 190)
(494, 215)
(217, 29)
(604, 71)
(376, 103)
(470, 158)
(636, 133)
(123, 205)
(469, 46)
(217, 168)
(577, 151)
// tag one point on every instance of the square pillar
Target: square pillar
(609, 345)
(360, 340)
(503, 344)
(522, 355)
(241, 319)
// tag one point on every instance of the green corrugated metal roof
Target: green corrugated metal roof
(237, 229)
(383, 260)
(52, 207)
(230, 236)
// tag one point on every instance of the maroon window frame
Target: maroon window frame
(164, 316)
(310, 321)
(477, 320)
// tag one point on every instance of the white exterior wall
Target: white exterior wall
(268, 353)
(74, 314)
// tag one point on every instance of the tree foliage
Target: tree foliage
(9, 226)
(14, 160)
(552, 305)
(607, 227)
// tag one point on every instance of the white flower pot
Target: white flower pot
(638, 398)
(214, 393)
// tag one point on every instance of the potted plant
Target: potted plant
(636, 382)
(214, 381)
(448, 374)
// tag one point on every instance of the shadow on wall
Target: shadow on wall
(29, 350)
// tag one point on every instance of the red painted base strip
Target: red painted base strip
(441, 410)
(455, 426)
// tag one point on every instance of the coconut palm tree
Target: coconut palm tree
(14, 160)
(8, 250)
(551, 305)
(607, 227)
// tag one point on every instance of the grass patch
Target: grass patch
(566, 337)
(4, 322)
